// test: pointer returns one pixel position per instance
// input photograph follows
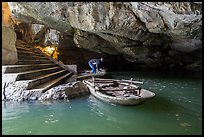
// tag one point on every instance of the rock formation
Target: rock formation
(158, 34)
(9, 53)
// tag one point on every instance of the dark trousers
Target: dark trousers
(93, 67)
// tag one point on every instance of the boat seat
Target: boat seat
(135, 91)
(110, 93)
(114, 84)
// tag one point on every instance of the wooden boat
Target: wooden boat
(88, 74)
(122, 92)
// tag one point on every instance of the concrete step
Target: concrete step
(21, 62)
(36, 69)
(54, 82)
(33, 57)
(23, 68)
(45, 78)
(22, 43)
(28, 49)
(35, 73)
(28, 53)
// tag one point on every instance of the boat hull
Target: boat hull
(88, 74)
(121, 100)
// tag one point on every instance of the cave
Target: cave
(47, 44)
(134, 45)
(150, 54)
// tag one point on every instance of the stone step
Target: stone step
(29, 49)
(36, 69)
(54, 82)
(35, 73)
(21, 62)
(23, 68)
(28, 53)
(22, 44)
(18, 41)
(45, 78)
(26, 47)
(33, 57)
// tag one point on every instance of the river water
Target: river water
(175, 110)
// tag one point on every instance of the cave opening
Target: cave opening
(66, 46)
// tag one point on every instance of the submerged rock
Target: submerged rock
(65, 91)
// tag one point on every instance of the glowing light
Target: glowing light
(50, 51)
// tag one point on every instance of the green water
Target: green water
(175, 110)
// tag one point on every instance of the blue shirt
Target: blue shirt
(95, 62)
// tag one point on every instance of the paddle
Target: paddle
(123, 80)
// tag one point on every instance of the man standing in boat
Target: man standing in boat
(95, 64)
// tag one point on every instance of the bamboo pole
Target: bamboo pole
(123, 80)
(93, 81)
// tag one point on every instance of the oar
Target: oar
(136, 82)
(122, 80)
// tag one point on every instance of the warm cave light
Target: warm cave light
(49, 50)
(6, 15)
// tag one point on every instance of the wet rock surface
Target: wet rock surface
(135, 30)
(16, 91)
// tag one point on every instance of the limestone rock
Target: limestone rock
(9, 52)
(127, 28)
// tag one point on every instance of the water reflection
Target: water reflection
(13, 110)
(102, 109)
(176, 109)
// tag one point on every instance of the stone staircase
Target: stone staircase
(39, 71)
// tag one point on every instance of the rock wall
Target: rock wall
(44, 35)
(9, 52)
(140, 31)
(6, 15)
